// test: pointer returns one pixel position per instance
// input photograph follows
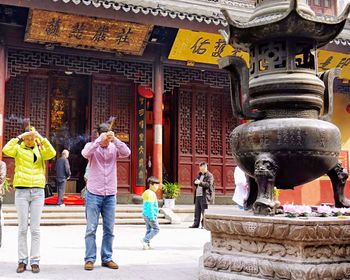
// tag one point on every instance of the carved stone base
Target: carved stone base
(244, 246)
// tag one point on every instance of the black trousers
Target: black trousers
(200, 206)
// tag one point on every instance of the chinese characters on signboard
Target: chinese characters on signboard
(202, 47)
(208, 48)
(328, 60)
(141, 141)
(86, 32)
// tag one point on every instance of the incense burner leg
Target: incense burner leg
(338, 176)
(265, 174)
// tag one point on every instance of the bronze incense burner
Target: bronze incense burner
(289, 140)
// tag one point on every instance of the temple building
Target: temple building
(150, 69)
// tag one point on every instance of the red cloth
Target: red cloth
(68, 200)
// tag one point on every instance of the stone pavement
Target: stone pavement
(175, 255)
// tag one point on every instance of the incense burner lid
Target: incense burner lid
(280, 18)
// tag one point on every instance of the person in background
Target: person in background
(62, 175)
(101, 193)
(30, 151)
(204, 192)
(150, 211)
(241, 190)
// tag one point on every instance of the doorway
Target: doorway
(69, 123)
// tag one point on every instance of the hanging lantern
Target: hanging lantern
(145, 91)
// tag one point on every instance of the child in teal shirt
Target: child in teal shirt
(150, 211)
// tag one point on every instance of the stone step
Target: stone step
(75, 215)
(125, 214)
(75, 209)
(58, 222)
(79, 215)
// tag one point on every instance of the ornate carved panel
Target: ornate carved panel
(101, 103)
(14, 106)
(22, 61)
(123, 175)
(201, 123)
(217, 173)
(230, 123)
(185, 122)
(37, 96)
(185, 175)
(204, 124)
(114, 98)
(216, 125)
(122, 108)
(175, 77)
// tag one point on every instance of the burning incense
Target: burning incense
(111, 124)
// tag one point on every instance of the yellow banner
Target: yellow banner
(202, 47)
(328, 60)
(207, 48)
(86, 32)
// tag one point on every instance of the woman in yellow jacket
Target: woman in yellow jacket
(30, 151)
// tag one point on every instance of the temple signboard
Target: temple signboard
(328, 60)
(48, 27)
(203, 47)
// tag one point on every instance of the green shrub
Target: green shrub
(171, 190)
(6, 187)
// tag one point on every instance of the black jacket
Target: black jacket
(208, 187)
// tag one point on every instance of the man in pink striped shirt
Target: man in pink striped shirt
(101, 193)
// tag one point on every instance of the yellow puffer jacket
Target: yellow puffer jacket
(27, 172)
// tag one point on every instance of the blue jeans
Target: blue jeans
(152, 228)
(94, 206)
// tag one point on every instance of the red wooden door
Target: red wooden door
(204, 123)
(113, 97)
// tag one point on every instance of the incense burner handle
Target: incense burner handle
(328, 78)
(239, 74)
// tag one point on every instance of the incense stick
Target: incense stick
(111, 124)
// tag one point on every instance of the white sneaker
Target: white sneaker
(62, 205)
(145, 246)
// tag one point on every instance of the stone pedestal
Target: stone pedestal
(244, 246)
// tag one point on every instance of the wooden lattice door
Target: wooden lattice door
(204, 123)
(26, 98)
(113, 97)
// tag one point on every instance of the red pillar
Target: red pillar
(3, 74)
(157, 161)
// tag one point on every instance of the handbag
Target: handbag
(48, 190)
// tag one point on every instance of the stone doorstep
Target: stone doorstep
(56, 222)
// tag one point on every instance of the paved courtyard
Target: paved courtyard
(175, 255)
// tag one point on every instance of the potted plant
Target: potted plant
(7, 194)
(170, 192)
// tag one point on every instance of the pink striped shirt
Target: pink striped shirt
(102, 179)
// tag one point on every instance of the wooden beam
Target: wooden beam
(101, 12)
